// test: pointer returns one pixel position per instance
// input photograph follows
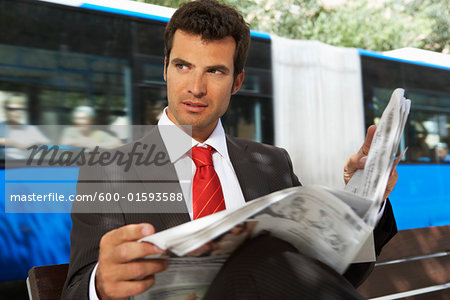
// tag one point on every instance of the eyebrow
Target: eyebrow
(221, 68)
(180, 61)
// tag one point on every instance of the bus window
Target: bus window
(429, 126)
(155, 100)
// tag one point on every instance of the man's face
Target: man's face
(441, 152)
(15, 112)
(200, 81)
(82, 118)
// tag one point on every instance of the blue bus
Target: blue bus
(422, 196)
(58, 55)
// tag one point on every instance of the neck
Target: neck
(201, 135)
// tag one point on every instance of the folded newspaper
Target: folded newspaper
(327, 224)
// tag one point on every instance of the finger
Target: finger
(111, 275)
(125, 289)
(397, 160)
(358, 160)
(391, 183)
(394, 166)
(127, 233)
(141, 269)
(368, 141)
(362, 162)
(133, 250)
(352, 164)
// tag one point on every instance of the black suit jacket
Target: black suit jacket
(260, 169)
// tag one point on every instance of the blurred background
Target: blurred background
(318, 74)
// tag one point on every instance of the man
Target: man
(206, 49)
(84, 135)
(442, 153)
(16, 135)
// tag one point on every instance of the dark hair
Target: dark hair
(213, 21)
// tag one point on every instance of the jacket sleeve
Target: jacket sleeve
(384, 231)
(87, 231)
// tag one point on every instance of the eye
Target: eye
(181, 67)
(215, 71)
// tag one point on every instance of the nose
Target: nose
(197, 85)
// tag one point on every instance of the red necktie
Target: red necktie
(207, 191)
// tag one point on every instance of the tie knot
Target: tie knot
(202, 156)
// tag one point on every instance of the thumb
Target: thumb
(368, 140)
(362, 162)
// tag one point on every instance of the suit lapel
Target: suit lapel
(165, 176)
(249, 172)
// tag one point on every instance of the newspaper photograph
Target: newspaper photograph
(318, 224)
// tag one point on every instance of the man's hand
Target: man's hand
(118, 274)
(358, 160)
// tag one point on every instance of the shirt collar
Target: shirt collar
(178, 142)
(217, 140)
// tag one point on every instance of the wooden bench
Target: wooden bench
(46, 282)
(415, 264)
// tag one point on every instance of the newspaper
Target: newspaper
(371, 181)
(310, 218)
(326, 224)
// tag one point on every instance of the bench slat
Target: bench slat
(439, 295)
(442, 294)
(405, 276)
(417, 242)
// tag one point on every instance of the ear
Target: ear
(238, 82)
(165, 68)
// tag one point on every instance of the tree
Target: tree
(437, 14)
(371, 25)
(167, 3)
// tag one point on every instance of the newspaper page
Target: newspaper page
(371, 182)
(315, 220)
(292, 214)
(186, 278)
(189, 277)
(187, 237)
(318, 224)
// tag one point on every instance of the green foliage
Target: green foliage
(437, 14)
(168, 3)
(372, 25)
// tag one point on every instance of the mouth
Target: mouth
(194, 106)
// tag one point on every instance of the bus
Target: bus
(59, 55)
(422, 196)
